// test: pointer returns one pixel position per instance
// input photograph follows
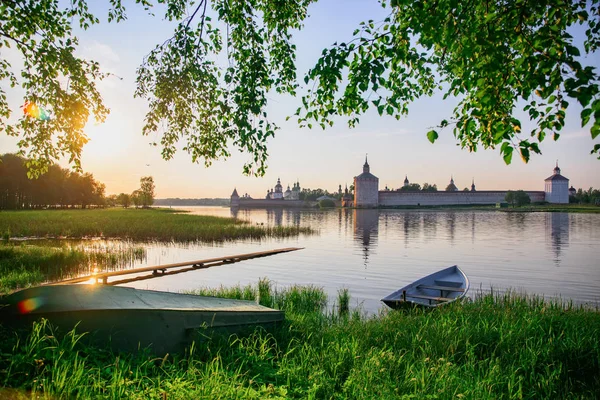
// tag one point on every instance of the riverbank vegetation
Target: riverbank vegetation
(503, 346)
(142, 224)
(570, 208)
(590, 196)
(26, 264)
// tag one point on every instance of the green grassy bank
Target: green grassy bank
(571, 208)
(491, 348)
(140, 224)
(24, 264)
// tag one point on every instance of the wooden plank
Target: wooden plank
(436, 287)
(422, 296)
(198, 264)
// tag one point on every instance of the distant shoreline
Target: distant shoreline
(191, 202)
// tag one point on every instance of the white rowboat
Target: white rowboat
(441, 287)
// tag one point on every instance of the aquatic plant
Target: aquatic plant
(23, 264)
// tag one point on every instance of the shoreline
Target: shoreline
(492, 347)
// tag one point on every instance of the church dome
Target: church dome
(278, 187)
(451, 187)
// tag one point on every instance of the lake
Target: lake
(374, 252)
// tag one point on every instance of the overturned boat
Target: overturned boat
(441, 287)
(130, 319)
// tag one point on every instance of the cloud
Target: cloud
(577, 134)
(109, 62)
(100, 52)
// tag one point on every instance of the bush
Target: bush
(326, 203)
(517, 198)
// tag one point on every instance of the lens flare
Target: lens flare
(29, 305)
(34, 111)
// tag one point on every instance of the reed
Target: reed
(343, 301)
(295, 299)
(142, 224)
(23, 264)
(497, 346)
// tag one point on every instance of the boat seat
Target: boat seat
(446, 288)
(422, 296)
(448, 283)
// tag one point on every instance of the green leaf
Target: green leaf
(595, 130)
(432, 136)
(585, 116)
(507, 151)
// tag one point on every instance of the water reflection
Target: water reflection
(366, 229)
(557, 234)
(275, 216)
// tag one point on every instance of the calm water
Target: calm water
(374, 252)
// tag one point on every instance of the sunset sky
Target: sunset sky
(118, 155)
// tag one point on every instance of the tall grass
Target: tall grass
(143, 224)
(498, 346)
(24, 264)
(296, 299)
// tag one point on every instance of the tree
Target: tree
(146, 191)
(590, 196)
(124, 200)
(429, 188)
(492, 56)
(518, 198)
(412, 187)
(136, 198)
(58, 187)
(112, 200)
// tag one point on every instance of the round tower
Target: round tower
(366, 188)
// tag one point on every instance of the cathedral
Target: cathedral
(278, 194)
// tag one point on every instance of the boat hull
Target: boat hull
(130, 319)
(441, 287)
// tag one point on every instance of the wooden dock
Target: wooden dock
(170, 269)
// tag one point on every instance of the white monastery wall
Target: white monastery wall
(449, 198)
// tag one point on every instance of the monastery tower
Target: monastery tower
(557, 187)
(366, 188)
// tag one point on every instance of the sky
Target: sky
(119, 155)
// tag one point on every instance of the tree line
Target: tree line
(142, 197)
(61, 188)
(590, 196)
(58, 188)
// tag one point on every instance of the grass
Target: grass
(495, 347)
(141, 224)
(24, 264)
(571, 208)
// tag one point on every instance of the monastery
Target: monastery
(368, 195)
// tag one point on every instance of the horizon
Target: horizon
(118, 155)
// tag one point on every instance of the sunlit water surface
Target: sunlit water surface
(374, 252)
